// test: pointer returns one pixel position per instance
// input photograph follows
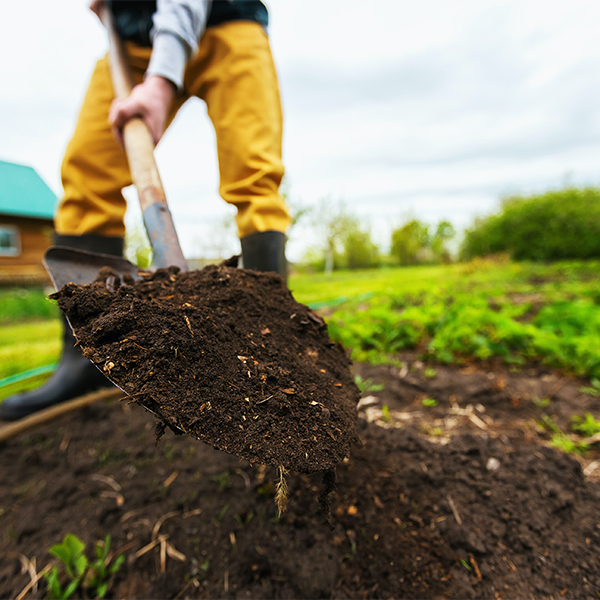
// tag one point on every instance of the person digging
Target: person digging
(177, 49)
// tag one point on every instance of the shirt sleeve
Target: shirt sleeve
(178, 25)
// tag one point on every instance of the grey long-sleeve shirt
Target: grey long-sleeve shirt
(178, 26)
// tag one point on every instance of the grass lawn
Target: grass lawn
(26, 346)
(317, 288)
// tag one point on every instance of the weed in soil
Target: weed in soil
(81, 572)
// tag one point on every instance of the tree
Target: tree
(555, 225)
(413, 244)
(410, 240)
(360, 252)
(443, 234)
(331, 222)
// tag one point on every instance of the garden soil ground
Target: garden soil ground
(462, 499)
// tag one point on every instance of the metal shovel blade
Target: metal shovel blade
(65, 265)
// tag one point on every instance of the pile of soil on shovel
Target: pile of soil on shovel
(225, 355)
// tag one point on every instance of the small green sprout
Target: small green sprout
(587, 426)
(541, 402)
(429, 402)
(593, 390)
(429, 372)
(199, 568)
(431, 431)
(366, 385)
(244, 519)
(93, 575)
(352, 554)
(223, 480)
(548, 423)
(222, 513)
(465, 564)
(563, 442)
(386, 416)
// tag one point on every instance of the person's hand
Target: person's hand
(150, 101)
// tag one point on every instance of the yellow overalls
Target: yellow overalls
(233, 73)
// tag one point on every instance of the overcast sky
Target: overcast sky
(432, 109)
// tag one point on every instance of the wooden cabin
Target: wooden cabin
(26, 225)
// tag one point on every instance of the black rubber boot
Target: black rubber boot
(75, 374)
(265, 251)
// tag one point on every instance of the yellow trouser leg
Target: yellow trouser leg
(94, 169)
(234, 73)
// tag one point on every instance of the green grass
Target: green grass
(26, 346)
(29, 336)
(23, 386)
(318, 288)
(483, 309)
(21, 304)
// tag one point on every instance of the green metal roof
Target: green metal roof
(23, 193)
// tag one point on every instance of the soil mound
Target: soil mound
(225, 355)
(412, 519)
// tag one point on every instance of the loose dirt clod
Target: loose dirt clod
(225, 355)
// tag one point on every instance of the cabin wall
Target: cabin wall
(24, 265)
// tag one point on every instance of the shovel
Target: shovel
(66, 265)
(324, 397)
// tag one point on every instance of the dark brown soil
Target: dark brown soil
(461, 500)
(225, 355)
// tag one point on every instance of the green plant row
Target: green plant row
(514, 315)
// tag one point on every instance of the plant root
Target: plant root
(281, 491)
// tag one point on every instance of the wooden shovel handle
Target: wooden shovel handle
(119, 68)
(139, 147)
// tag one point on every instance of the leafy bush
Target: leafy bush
(548, 227)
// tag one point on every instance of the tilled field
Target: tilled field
(461, 499)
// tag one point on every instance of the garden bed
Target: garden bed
(461, 497)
